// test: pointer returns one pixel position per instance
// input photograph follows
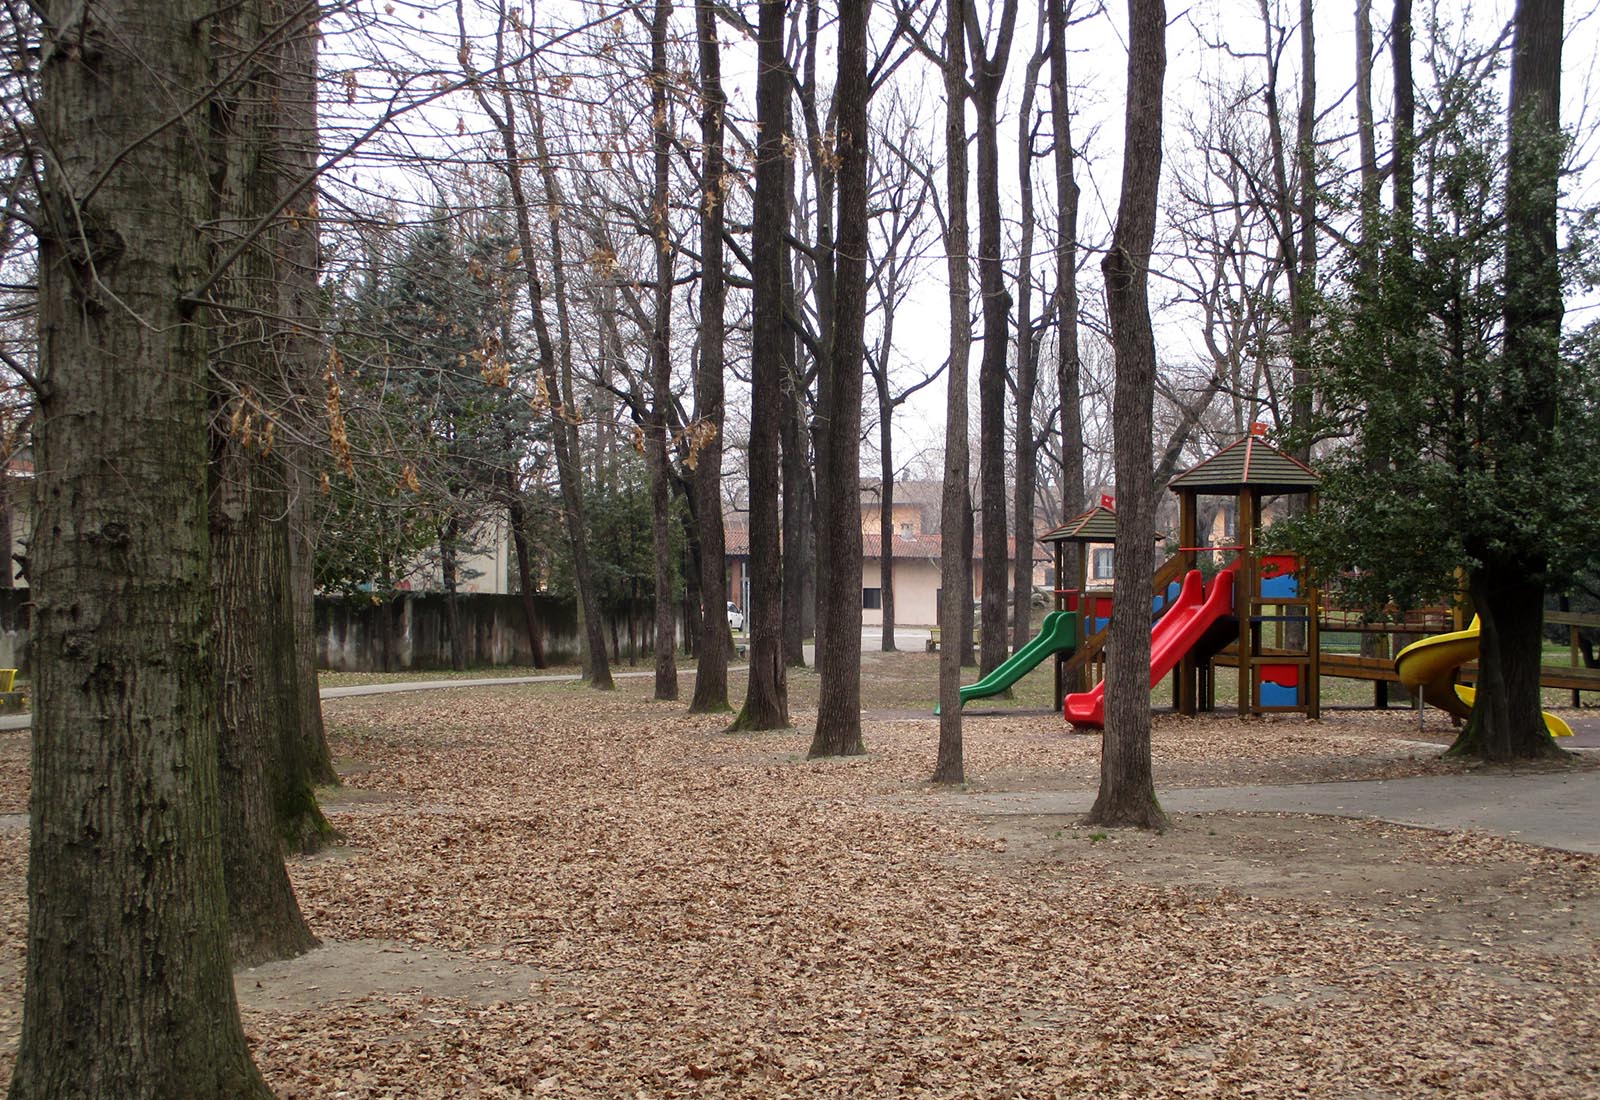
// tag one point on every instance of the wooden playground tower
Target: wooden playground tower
(1277, 651)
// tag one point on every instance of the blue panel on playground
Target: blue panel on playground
(1099, 625)
(1286, 587)
(1158, 603)
(1279, 695)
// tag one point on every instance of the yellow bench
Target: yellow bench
(8, 679)
(933, 638)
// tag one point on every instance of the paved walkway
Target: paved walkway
(1555, 809)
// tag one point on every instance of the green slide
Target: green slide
(1058, 634)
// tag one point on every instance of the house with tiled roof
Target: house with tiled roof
(915, 549)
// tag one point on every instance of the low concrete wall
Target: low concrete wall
(358, 634)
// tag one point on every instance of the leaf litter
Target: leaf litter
(601, 896)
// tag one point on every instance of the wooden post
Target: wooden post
(1313, 686)
(1244, 590)
(1187, 700)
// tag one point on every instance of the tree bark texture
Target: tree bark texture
(799, 501)
(1068, 367)
(563, 434)
(267, 761)
(1405, 112)
(988, 74)
(838, 730)
(711, 675)
(309, 760)
(656, 442)
(886, 532)
(128, 991)
(1506, 587)
(955, 585)
(1027, 375)
(517, 518)
(766, 704)
(257, 696)
(1305, 285)
(1506, 723)
(1127, 787)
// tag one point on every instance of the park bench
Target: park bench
(933, 638)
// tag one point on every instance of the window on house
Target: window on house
(872, 599)
(905, 530)
(1104, 567)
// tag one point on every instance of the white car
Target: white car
(735, 616)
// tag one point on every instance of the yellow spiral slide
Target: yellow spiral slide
(1430, 666)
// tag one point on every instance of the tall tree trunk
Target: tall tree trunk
(838, 730)
(1305, 285)
(255, 666)
(517, 518)
(988, 73)
(955, 585)
(711, 675)
(1068, 368)
(880, 378)
(1405, 140)
(557, 379)
(258, 698)
(308, 760)
(799, 501)
(1027, 373)
(1367, 139)
(128, 991)
(1127, 787)
(449, 574)
(1507, 591)
(656, 444)
(766, 704)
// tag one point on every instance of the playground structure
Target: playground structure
(1258, 615)
(1430, 667)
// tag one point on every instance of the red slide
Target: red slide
(1173, 636)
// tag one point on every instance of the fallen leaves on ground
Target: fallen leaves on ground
(712, 915)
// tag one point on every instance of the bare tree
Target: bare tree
(711, 676)
(1027, 365)
(496, 97)
(838, 730)
(955, 593)
(1068, 390)
(766, 704)
(258, 700)
(666, 639)
(988, 74)
(903, 194)
(1127, 788)
(125, 864)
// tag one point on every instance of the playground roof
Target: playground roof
(1250, 462)
(1098, 524)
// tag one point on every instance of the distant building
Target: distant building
(915, 548)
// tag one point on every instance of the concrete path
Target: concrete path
(1558, 809)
